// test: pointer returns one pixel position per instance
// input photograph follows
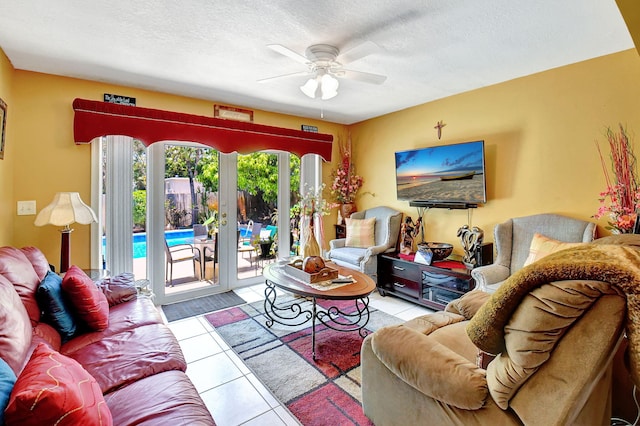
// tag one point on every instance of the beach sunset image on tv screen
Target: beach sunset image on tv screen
(447, 173)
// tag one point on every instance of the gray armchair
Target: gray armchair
(512, 241)
(387, 229)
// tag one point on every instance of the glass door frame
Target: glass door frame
(155, 225)
(229, 207)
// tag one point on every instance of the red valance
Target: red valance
(93, 119)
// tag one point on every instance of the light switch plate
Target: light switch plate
(26, 208)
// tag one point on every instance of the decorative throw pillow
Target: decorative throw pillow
(360, 232)
(55, 389)
(54, 308)
(118, 289)
(7, 381)
(89, 303)
(542, 246)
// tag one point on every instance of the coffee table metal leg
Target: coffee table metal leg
(313, 330)
(294, 314)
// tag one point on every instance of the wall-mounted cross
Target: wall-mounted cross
(439, 126)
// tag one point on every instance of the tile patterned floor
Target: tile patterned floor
(233, 394)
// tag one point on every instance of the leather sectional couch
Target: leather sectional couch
(136, 361)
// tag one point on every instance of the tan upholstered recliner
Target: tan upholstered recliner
(512, 240)
(554, 338)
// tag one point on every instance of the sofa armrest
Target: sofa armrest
(468, 304)
(430, 367)
(338, 243)
(374, 251)
(490, 274)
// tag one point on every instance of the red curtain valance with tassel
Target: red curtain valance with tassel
(93, 119)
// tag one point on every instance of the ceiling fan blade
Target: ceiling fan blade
(288, 53)
(278, 77)
(365, 77)
(359, 52)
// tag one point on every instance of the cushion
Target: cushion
(118, 289)
(55, 389)
(542, 246)
(38, 261)
(15, 332)
(360, 232)
(430, 367)
(88, 302)
(55, 310)
(16, 267)
(7, 380)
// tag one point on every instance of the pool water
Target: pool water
(179, 236)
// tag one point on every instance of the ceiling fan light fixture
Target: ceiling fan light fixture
(324, 86)
(310, 87)
(329, 86)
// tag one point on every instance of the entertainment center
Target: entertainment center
(427, 285)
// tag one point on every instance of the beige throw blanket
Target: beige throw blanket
(615, 264)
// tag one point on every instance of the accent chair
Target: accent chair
(513, 238)
(350, 252)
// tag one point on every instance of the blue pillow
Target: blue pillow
(53, 305)
(7, 380)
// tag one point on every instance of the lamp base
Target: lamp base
(65, 248)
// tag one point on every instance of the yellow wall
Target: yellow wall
(7, 210)
(47, 161)
(539, 134)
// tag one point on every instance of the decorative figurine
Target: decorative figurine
(471, 240)
(409, 231)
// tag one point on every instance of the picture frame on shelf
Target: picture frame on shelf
(3, 125)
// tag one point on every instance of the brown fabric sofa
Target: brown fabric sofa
(136, 361)
(553, 328)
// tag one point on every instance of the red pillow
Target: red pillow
(55, 389)
(89, 303)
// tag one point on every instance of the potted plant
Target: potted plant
(265, 243)
(345, 183)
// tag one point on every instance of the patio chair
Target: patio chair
(179, 253)
(200, 231)
(209, 255)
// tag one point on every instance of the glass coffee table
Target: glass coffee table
(294, 313)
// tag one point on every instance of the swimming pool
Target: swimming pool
(178, 236)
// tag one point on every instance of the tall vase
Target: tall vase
(311, 248)
(346, 209)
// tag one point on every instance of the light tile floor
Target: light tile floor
(233, 394)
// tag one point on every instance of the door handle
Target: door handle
(223, 222)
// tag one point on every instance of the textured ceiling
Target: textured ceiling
(216, 50)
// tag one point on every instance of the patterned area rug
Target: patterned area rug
(320, 392)
(201, 305)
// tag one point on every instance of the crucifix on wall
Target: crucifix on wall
(439, 126)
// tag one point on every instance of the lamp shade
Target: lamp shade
(65, 209)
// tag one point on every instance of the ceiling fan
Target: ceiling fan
(324, 68)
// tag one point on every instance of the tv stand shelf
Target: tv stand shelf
(426, 285)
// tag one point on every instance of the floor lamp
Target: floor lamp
(65, 209)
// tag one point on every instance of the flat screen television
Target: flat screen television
(442, 176)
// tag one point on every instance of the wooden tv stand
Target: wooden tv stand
(426, 285)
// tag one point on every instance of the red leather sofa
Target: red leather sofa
(136, 361)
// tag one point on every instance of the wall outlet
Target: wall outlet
(26, 208)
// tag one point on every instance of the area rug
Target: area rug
(320, 392)
(201, 305)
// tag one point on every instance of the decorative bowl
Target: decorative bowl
(440, 250)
